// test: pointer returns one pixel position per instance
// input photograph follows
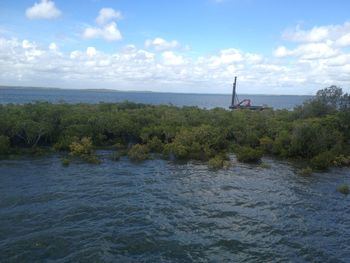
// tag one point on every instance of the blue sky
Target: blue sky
(275, 47)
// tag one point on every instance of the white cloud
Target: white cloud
(27, 44)
(316, 34)
(231, 55)
(320, 42)
(75, 54)
(315, 51)
(107, 14)
(253, 58)
(281, 52)
(161, 44)
(106, 30)
(340, 60)
(170, 58)
(45, 9)
(344, 40)
(109, 32)
(308, 51)
(338, 34)
(91, 51)
(53, 46)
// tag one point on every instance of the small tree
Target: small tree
(330, 96)
(138, 152)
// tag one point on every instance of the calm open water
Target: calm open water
(160, 211)
(13, 95)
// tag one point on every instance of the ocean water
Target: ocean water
(26, 95)
(160, 211)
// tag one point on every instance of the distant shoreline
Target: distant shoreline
(142, 91)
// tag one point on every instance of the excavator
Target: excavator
(244, 104)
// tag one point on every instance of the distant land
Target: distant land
(138, 91)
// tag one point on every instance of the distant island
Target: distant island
(57, 88)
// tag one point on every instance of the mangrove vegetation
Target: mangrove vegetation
(316, 133)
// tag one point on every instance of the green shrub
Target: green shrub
(90, 158)
(64, 143)
(199, 143)
(178, 150)
(266, 144)
(344, 189)
(155, 145)
(322, 161)
(265, 165)
(218, 162)
(313, 136)
(138, 152)
(81, 147)
(248, 154)
(65, 162)
(4, 145)
(306, 171)
(281, 144)
(341, 160)
(84, 149)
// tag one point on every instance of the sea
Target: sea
(208, 101)
(163, 211)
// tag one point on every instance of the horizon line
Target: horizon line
(142, 91)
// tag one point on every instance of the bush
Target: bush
(265, 165)
(248, 155)
(64, 143)
(322, 161)
(306, 171)
(281, 144)
(4, 145)
(266, 144)
(92, 158)
(341, 160)
(344, 189)
(82, 147)
(138, 152)
(199, 143)
(65, 162)
(155, 145)
(218, 162)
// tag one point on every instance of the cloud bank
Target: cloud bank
(310, 59)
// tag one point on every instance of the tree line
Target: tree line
(316, 132)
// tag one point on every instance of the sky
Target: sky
(192, 46)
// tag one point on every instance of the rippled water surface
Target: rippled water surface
(160, 211)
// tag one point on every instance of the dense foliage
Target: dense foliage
(317, 131)
(248, 154)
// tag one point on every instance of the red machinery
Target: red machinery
(244, 104)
